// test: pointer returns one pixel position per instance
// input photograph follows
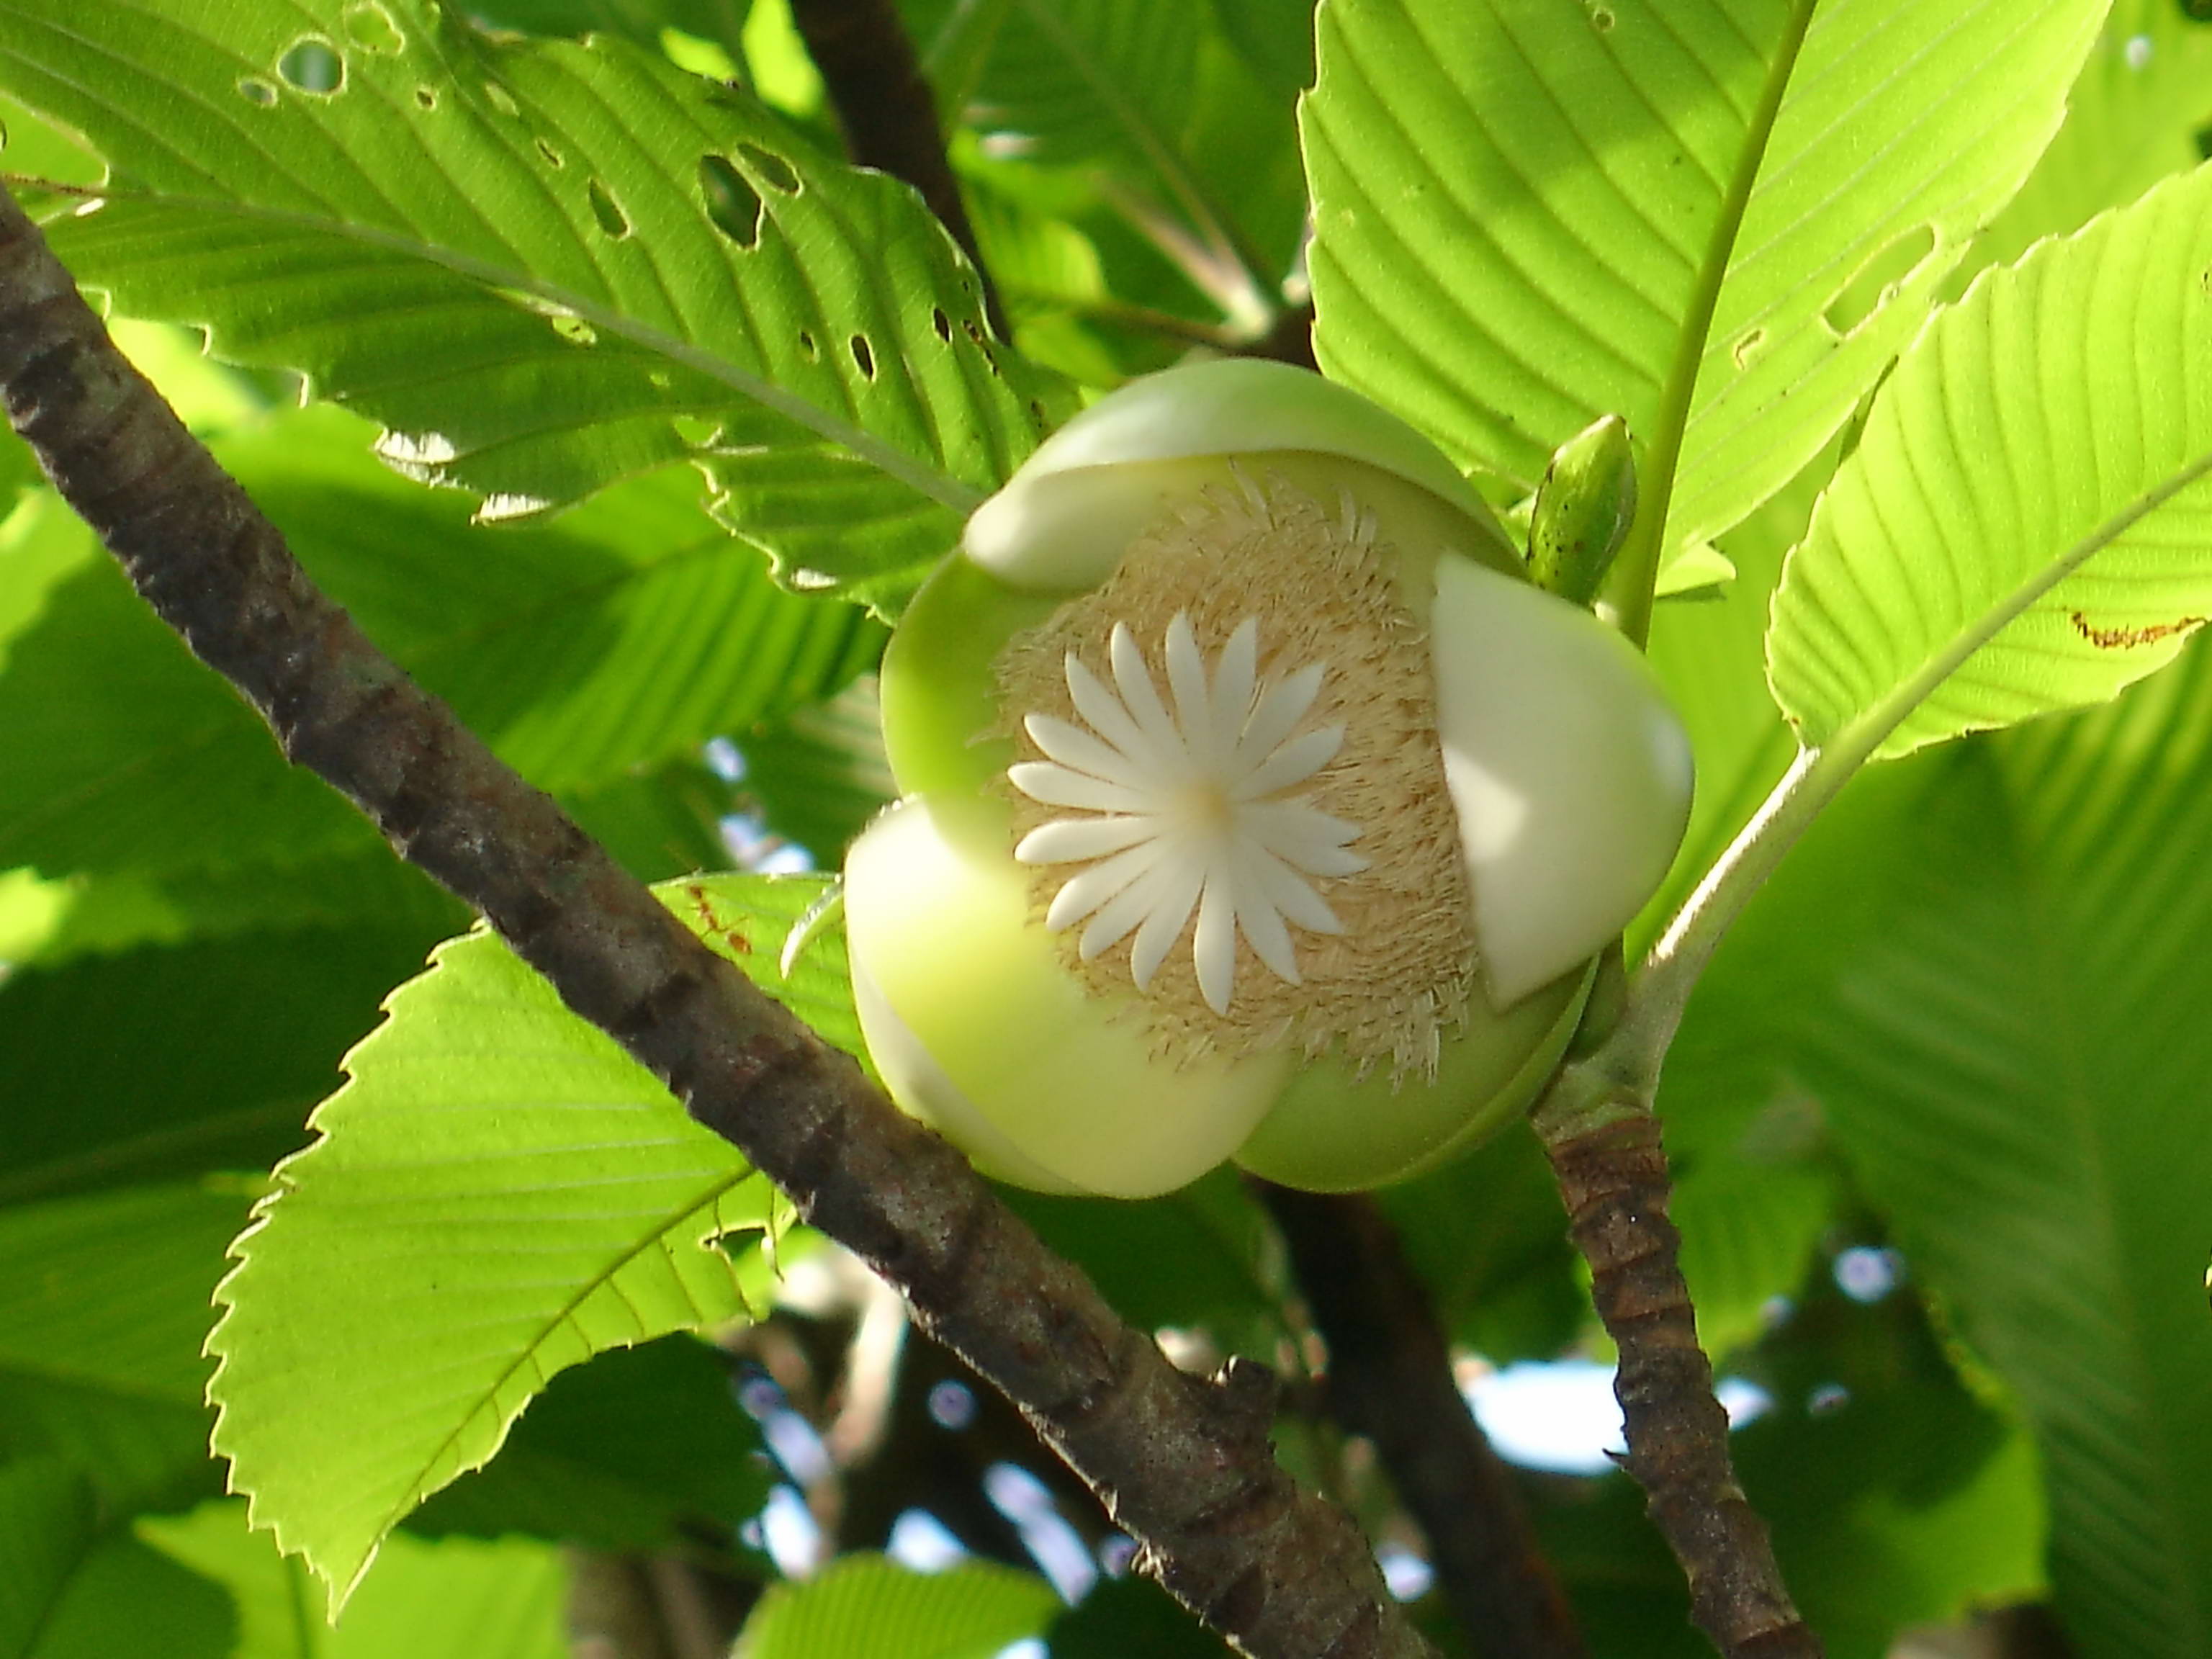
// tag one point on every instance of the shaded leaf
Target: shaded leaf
(498, 1193)
(2022, 526)
(125, 1597)
(1488, 1236)
(820, 776)
(622, 636)
(664, 250)
(626, 1452)
(1193, 1257)
(104, 1303)
(167, 1061)
(46, 1526)
(1720, 219)
(1124, 1616)
(1988, 972)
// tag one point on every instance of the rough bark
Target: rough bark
(1613, 1175)
(1389, 1378)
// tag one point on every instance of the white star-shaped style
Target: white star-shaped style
(1180, 805)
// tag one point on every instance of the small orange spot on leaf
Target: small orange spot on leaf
(2121, 638)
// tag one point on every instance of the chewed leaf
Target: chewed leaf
(1718, 218)
(497, 1193)
(545, 265)
(2025, 524)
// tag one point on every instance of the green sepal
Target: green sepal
(1583, 511)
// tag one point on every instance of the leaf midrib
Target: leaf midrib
(1862, 735)
(1640, 561)
(416, 1490)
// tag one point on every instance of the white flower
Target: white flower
(1183, 808)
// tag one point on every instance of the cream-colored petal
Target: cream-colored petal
(1290, 892)
(1064, 841)
(1213, 944)
(1163, 748)
(1236, 684)
(1181, 882)
(1098, 706)
(1283, 703)
(1050, 784)
(1088, 890)
(1072, 746)
(1194, 706)
(1260, 920)
(1569, 771)
(1292, 763)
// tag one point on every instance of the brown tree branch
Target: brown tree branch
(887, 113)
(1183, 1463)
(1389, 1378)
(1603, 1141)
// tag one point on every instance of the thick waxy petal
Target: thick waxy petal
(1570, 772)
(976, 1027)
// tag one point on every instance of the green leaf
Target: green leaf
(1720, 219)
(46, 1525)
(104, 1305)
(1488, 1236)
(1122, 1617)
(642, 1449)
(864, 1607)
(456, 1599)
(2134, 115)
(121, 752)
(1709, 649)
(622, 636)
(71, 1593)
(168, 1061)
(498, 1193)
(1192, 1258)
(1897, 1496)
(2022, 526)
(1752, 1218)
(50, 924)
(669, 271)
(125, 1597)
(1989, 973)
(626, 633)
(1177, 133)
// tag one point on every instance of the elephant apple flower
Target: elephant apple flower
(1257, 805)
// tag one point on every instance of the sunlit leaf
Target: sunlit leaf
(2137, 112)
(498, 1193)
(104, 1303)
(867, 1607)
(1720, 219)
(1985, 976)
(543, 265)
(2023, 526)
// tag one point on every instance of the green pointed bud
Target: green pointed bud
(1257, 805)
(1583, 511)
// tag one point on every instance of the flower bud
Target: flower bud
(1258, 806)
